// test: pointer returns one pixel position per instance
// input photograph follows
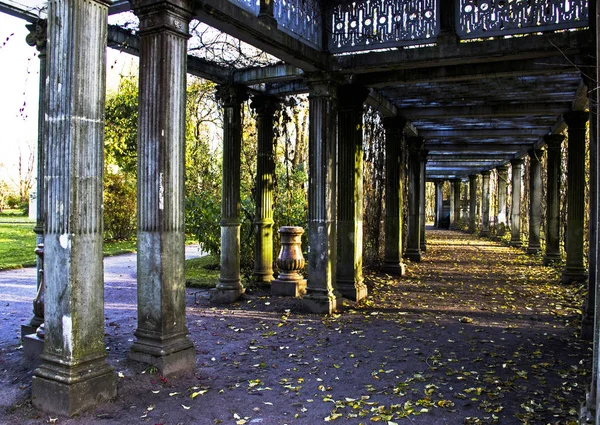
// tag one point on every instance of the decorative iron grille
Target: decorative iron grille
(487, 18)
(374, 24)
(300, 18)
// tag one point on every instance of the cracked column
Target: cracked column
(322, 241)
(350, 192)
(535, 200)
(265, 107)
(515, 213)
(439, 203)
(574, 270)
(161, 332)
(229, 287)
(553, 149)
(38, 37)
(485, 204)
(456, 185)
(472, 203)
(423, 187)
(501, 218)
(394, 182)
(415, 146)
(74, 375)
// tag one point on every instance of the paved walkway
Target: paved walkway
(477, 333)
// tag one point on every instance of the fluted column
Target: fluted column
(229, 287)
(265, 108)
(422, 238)
(515, 215)
(535, 200)
(456, 184)
(322, 195)
(553, 148)
(574, 269)
(394, 171)
(74, 375)
(485, 203)
(349, 279)
(472, 203)
(501, 219)
(415, 146)
(38, 37)
(439, 203)
(161, 332)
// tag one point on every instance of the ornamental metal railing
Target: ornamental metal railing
(300, 18)
(489, 18)
(376, 24)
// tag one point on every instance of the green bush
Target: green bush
(119, 207)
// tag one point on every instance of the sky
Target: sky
(19, 88)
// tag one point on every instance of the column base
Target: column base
(397, 269)
(321, 303)
(515, 244)
(551, 259)
(263, 279)
(413, 255)
(352, 290)
(175, 356)
(64, 389)
(423, 247)
(586, 415)
(33, 347)
(288, 288)
(225, 296)
(574, 274)
(533, 250)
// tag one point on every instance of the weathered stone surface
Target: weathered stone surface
(535, 200)
(502, 187)
(553, 143)
(485, 204)
(290, 262)
(515, 216)
(472, 203)
(415, 145)
(423, 173)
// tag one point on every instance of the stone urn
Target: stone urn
(290, 262)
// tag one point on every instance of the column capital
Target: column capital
(502, 168)
(415, 143)
(423, 155)
(396, 123)
(38, 36)
(576, 118)
(485, 173)
(163, 15)
(352, 96)
(322, 84)
(472, 177)
(553, 141)
(516, 162)
(264, 104)
(535, 154)
(231, 94)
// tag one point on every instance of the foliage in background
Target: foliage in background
(119, 206)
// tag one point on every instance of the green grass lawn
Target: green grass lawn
(202, 272)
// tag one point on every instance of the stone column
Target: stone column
(439, 203)
(37, 37)
(515, 215)
(265, 107)
(574, 269)
(322, 195)
(161, 332)
(349, 281)
(485, 204)
(229, 287)
(456, 183)
(422, 239)
(553, 147)
(472, 203)
(501, 219)
(394, 171)
(74, 375)
(415, 146)
(535, 200)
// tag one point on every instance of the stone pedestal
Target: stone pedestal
(290, 262)
(574, 270)
(229, 287)
(322, 195)
(485, 204)
(553, 144)
(33, 347)
(472, 203)
(535, 200)
(161, 332)
(265, 108)
(415, 145)
(501, 218)
(349, 280)
(73, 375)
(515, 215)
(394, 194)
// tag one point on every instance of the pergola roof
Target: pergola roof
(477, 102)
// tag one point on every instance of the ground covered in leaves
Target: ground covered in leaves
(477, 333)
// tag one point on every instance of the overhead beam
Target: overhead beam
(472, 148)
(267, 74)
(484, 133)
(12, 9)
(482, 111)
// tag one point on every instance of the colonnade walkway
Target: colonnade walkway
(477, 333)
